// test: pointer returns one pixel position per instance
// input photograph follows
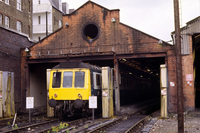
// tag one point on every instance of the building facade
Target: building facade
(190, 42)
(47, 17)
(17, 16)
(10, 57)
(94, 34)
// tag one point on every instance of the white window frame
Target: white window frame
(7, 22)
(60, 23)
(95, 74)
(1, 19)
(19, 5)
(19, 26)
(7, 2)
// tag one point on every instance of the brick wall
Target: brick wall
(117, 37)
(10, 57)
(24, 16)
(188, 90)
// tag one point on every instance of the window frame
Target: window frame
(7, 2)
(1, 19)
(7, 22)
(19, 5)
(75, 85)
(71, 79)
(96, 86)
(19, 26)
(60, 23)
(39, 19)
(54, 83)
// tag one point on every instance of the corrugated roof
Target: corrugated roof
(193, 20)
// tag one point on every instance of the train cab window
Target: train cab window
(67, 79)
(79, 79)
(56, 79)
(97, 80)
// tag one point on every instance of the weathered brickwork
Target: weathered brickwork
(172, 90)
(112, 36)
(188, 89)
(116, 36)
(10, 57)
(24, 15)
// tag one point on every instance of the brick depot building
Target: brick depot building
(10, 57)
(94, 34)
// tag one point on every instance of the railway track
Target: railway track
(126, 123)
(29, 127)
(55, 125)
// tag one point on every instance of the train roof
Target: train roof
(76, 64)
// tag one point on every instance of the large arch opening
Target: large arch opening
(139, 79)
(196, 50)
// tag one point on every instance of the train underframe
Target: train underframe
(70, 108)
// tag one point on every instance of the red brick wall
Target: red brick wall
(172, 90)
(189, 92)
(10, 57)
(116, 37)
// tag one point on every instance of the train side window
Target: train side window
(79, 79)
(56, 79)
(97, 80)
(67, 79)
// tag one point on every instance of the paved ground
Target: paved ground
(169, 125)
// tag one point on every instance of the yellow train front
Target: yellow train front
(71, 84)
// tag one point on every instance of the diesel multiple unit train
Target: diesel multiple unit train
(71, 84)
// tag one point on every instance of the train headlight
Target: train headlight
(80, 96)
(55, 95)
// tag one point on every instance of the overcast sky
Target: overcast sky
(154, 17)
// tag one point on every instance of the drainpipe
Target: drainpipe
(46, 24)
